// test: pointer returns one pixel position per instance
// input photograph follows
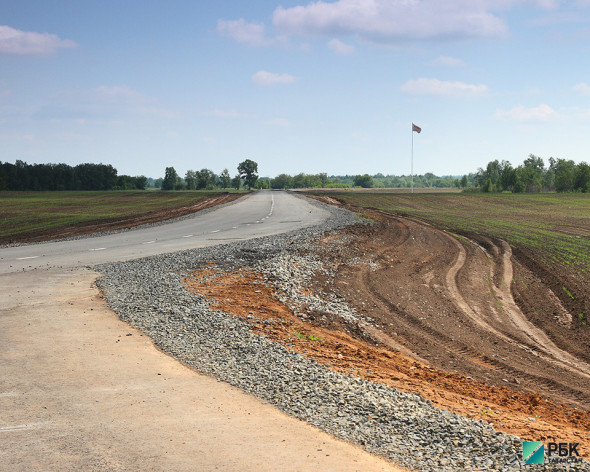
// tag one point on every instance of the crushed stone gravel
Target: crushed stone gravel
(404, 427)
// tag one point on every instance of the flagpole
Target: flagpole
(412, 165)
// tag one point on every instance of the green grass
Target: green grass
(555, 226)
(300, 335)
(28, 212)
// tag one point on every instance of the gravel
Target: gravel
(403, 427)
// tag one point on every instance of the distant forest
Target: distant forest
(532, 175)
(23, 176)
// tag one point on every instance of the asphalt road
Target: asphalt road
(82, 390)
(258, 214)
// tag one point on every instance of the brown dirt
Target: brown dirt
(100, 226)
(446, 326)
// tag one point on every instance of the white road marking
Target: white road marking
(187, 236)
(216, 231)
(29, 257)
(234, 227)
(149, 242)
(8, 394)
(99, 249)
(20, 427)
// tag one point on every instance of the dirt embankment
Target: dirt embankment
(445, 324)
(104, 225)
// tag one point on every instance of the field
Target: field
(39, 216)
(549, 233)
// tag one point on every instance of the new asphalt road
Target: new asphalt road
(258, 214)
(81, 390)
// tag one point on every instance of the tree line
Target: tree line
(23, 176)
(206, 179)
(532, 175)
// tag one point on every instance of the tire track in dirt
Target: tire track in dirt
(528, 331)
(434, 337)
(415, 290)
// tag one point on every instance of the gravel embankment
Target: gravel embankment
(404, 427)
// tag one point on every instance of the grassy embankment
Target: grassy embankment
(43, 213)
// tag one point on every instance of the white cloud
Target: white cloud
(438, 87)
(243, 32)
(519, 113)
(392, 20)
(22, 43)
(448, 61)
(341, 48)
(263, 77)
(582, 87)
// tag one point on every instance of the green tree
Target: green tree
(282, 181)
(236, 182)
(464, 181)
(582, 177)
(365, 181)
(225, 178)
(170, 179)
(3, 185)
(206, 179)
(262, 183)
(248, 171)
(190, 179)
(564, 171)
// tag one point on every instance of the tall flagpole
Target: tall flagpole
(412, 165)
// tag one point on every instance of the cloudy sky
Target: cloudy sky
(298, 86)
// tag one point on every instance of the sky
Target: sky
(297, 86)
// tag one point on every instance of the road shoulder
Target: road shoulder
(85, 391)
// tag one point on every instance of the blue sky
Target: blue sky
(298, 86)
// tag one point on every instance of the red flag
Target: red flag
(416, 128)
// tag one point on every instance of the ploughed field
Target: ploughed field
(41, 216)
(493, 288)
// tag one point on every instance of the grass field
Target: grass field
(555, 226)
(29, 213)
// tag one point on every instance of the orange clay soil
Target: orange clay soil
(244, 293)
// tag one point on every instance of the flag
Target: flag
(416, 128)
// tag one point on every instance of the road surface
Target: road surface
(81, 390)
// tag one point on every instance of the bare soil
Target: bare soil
(453, 320)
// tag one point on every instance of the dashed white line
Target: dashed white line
(216, 231)
(187, 236)
(149, 242)
(99, 249)
(234, 227)
(20, 427)
(28, 257)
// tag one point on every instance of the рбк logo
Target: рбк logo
(533, 452)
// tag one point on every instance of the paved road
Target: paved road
(259, 214)
(81, 390)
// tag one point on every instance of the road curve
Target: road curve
(81, 390)
(258, 214)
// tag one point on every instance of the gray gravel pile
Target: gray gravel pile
(403, 427)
